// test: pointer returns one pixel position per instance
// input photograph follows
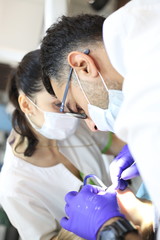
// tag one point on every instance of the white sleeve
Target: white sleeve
(137, 50)
(30, 217)
(156, 223)
(138, 123)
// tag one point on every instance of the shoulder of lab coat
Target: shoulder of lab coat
(113, 38)
(121, 27)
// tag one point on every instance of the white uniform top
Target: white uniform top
(33, 197)
(132, 40)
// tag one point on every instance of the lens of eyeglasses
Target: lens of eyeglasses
(77, 115)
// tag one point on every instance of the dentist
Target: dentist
(131, 38)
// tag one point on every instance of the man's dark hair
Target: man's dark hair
(68, 34)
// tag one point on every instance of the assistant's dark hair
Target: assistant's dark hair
(27, 78)
(68, 34)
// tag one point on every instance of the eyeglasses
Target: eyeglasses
(77, 115)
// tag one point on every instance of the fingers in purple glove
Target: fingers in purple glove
(67, 209)
(115, 171)
(64, 223)
(130, 172)
(118, 167)
(70, 195)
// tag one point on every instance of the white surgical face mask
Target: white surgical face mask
(105, 118)
(56, 126)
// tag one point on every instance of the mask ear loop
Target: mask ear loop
(32, 124)
(103, 82)
(81, 86)
(35, 104)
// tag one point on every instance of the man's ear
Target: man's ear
(25, 105)
(82, 63)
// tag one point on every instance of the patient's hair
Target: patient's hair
(66, 235)
(26, 78)
(68, 34)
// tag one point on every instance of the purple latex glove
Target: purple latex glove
(88, 210)
(122, 168)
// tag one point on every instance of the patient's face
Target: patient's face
(44, 102)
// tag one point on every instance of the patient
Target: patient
(66, 235)
(47, 155)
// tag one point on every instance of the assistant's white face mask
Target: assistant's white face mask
(56, 126)
(105, 118)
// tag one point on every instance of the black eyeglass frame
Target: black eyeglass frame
(77, 115)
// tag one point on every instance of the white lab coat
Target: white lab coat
(132, 40)
(33, 197)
